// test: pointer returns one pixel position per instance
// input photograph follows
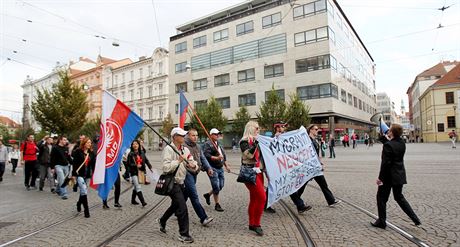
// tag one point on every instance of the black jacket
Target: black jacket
(132, 165)
(60, 156)
(392, 169)
(209, 150)
(86, 171)
(44, 156)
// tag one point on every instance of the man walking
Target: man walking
(216, 157)
(190, 178)
(44, 160)
(60, 161)
(331, 146)
(3, 159)
(453, 138)
(29, 160)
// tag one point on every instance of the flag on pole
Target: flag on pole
(183, 107)
(119, 127)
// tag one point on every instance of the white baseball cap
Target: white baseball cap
(214, 131)
(178, 131)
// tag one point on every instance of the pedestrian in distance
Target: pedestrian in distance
(44, 159)
(251, 157)
(191, 176)
(216, 157)
(13, 156)
(61, 161)
(172, 161)
(234, 145)
(84, 161)
(3, 159)
(323, 146)
(136, 163)
(29, 160)
(453, 138)
(392, 176)
(331, 144)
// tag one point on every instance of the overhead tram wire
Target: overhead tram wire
(32, 66)
(156, 23)
(16, 52)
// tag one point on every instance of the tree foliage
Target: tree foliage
(91, 128)
(242, 116)
(211, 116)
(167, 125)
(63, 109)
(271, 111)
(4, 133)
(297, 113)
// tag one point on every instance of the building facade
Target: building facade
(310, 48)
(440, 107)
(91, 81)
(143, 86)
(421, 83)
(387, 108)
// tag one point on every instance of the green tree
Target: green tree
(4, 134)
(297, 113)
(242, 116)
(91, 128)
(62, 109)
(271, 111)
(211, 116)
(167, 126)
(22, 133)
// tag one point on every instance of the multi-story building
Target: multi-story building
(440, 106)
(143, 86)
(10, 125)
(387, 108)
(91, 81)
(421, 82)
(306, 47)
(31, 86)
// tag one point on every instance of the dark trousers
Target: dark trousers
(117, 189)
(321, 181)
(331, 152)
(383, 193)
(31, 173)
(14, 162)
(178, 207)
(2, 168)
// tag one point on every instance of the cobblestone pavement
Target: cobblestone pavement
(433, 191)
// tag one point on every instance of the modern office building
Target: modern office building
(387, 108)
(306, 47)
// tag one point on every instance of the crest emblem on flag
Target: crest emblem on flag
(112, 136)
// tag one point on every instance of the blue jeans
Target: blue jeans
(61, 172)
(190, 192)
(217, 180)
(137, 185)
(82, 185)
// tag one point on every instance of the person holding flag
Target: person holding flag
(83, 166)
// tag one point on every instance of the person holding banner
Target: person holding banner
(84, 161)
(171, 161)
(136, 162)
(251, 157)
(392, 176)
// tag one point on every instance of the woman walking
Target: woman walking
(84, 161)
(251, 157)
(13, 157)
(136, 162)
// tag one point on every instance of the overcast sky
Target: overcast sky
(402, 36)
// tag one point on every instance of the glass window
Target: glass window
(309, 9)
(220, 35)
(310, 36)
(449, 97)
(451, 122)
(299, 38)
(274, 70)
(181, 47)
(247, 99)
(321, 33)
(343, 95)
(177, 108)
(280, 93)
(350, 99)
(181, 67)
(224, 102)
(150, 112)
(244, 28)
(200, 104)
(440, 127)
(199, 42)
(181, 87)
(271, 20)
(132, 75)
(355, 102)
(246, 75)
(141, 93)
(320, 5)
(298, 12)
(150, 91)
(141, 73)
(221, 80)
(200, 84)
(325, 90)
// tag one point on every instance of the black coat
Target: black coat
(209, 150)
(44, 156)
(86, 171)
(132, 165)
(392, 169)
(60, 156)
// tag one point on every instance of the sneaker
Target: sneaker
(40, 189)
(64, 197)
(33, 187)
(162, 226)
(207, 221)
(53, 190)
(257, 229)
(304, 209)
(270, 210)
(105, 206)
(27, 188)
(218, 208)
(207, 196)
(117, 205)
(335, 203)
(14, 173)
(186, 239)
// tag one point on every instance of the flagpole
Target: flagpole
(202, 126)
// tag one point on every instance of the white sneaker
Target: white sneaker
(335, 203)
(207, 221)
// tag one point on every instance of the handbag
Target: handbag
(165, 183)
(141, 176)
(247, 175)
(68, 180)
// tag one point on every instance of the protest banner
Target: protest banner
(290, 160)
